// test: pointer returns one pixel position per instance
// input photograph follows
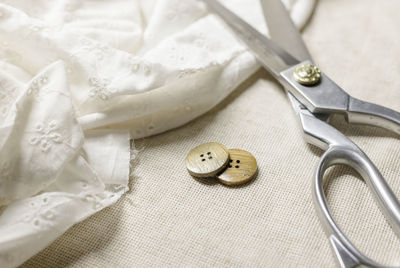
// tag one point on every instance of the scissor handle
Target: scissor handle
(345, 251)
(362, 112)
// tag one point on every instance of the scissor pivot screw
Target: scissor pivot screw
(307, 74)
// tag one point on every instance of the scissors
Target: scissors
(315, 97)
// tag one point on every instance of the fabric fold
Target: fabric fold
(45, 135)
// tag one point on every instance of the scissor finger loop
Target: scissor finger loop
(347, 254)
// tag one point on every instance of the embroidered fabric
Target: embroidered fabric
(79, 79)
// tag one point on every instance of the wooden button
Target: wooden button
(241, 168)
(207, 160)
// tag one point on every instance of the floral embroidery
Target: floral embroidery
(175, 11)
(41, 216)
(100, 88)
(46, 137)
(138, 66)
(40, 32)
(96, 200)
(48, 215)
(99, 50)
(36, 85)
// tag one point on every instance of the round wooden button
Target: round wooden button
(241, 168)
(207, 160)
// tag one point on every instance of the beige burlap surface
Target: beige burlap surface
(168, 219)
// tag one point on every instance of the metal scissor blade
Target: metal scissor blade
(270, 55)
(282, 29)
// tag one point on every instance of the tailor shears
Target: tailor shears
(314, 98)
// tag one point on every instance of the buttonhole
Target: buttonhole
(203, 159)
(210, 157)
(230, 160)
(201, 155)
(209, 153)
(238, 161)
(229, 166)
(236, 166)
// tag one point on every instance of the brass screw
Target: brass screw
(307, 74)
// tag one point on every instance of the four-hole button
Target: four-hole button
(207, 160)
(241, 168)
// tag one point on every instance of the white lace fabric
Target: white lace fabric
(79, 79)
